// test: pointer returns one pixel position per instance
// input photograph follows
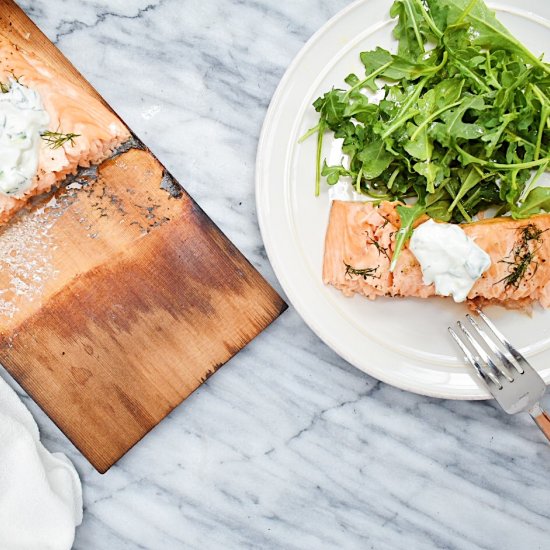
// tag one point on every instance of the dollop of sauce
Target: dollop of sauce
(22, 119)
(449, 259)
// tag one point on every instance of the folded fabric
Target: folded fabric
(40, 492)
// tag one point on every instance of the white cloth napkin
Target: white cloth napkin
(40, 492)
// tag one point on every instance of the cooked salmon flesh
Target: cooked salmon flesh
(360, 242)
(72, 111)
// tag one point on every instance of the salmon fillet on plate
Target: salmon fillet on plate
(360, 242)
(48, 128)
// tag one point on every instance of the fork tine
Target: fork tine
(491, 368)
(520, 361)
(491, 345)
(469, 357)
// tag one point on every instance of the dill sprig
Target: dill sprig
(56, 140)
(381, 249)
(522, 257)
(15, 77)
(5, 86)
(364, 272)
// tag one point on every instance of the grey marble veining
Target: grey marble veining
(287, 446)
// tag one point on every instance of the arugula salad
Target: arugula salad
(463, 125)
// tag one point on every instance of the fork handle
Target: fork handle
(542, 418)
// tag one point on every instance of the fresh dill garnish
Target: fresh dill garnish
(386, 222)
(522, 256)
(15, 77)
(364, 272)
(531, 233)
(381, 249)
(56, 140)
(518, 270)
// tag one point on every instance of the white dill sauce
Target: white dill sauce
(449, 259)
(22, 119)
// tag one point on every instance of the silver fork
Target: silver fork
(510, 379)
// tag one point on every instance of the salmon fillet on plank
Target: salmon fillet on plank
(71, 110)
(360, 242)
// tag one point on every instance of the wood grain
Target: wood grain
(119, 298)
(543, 422)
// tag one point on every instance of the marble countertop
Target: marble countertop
(287, 446)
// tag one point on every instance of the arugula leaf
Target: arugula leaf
(333, 173)
(380, 63)
(492, 137)
(488, 32)
(437, 204)
(410, 29)
(537, 201)
(455, 127)
(431, 171)
(360, 109)
(408, 215)
(469, 179)
(331, 107)
(375, 59)
(375, 159)
(422, 148)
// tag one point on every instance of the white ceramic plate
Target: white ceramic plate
(403, 342)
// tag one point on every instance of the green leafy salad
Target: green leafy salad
(463, 124)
